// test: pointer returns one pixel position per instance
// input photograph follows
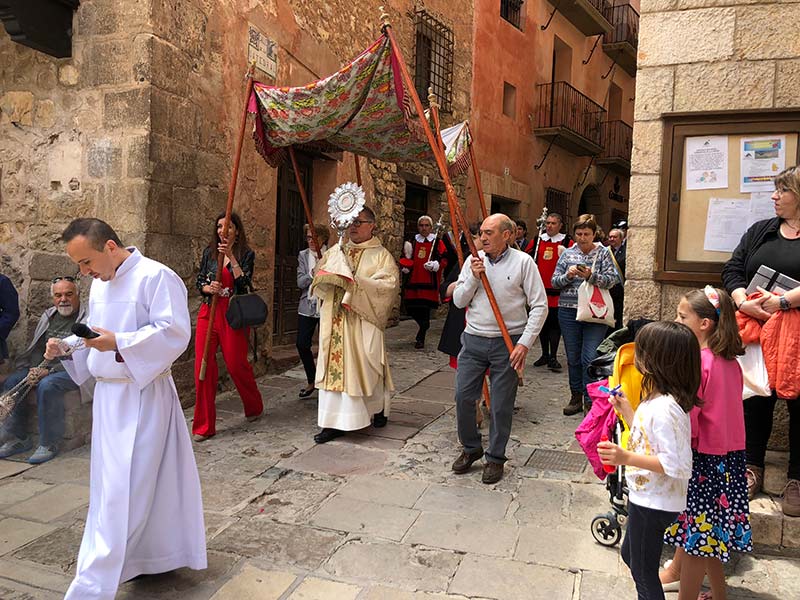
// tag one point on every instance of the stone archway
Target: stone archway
(591, 202)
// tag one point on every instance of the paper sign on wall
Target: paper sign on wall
(762, 158)
(706, 163)
(728, 219)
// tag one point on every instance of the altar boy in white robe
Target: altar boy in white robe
(145, 509)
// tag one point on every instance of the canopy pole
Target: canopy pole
(306, 207)
(476, 173)
(358, 168)
(432, 102)
(451, 193)
(453, 221)
(228, 210)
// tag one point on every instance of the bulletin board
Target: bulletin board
(681, 254)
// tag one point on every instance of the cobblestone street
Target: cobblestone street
(376, 515)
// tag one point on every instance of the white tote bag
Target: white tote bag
(594, 303)
(754, 372)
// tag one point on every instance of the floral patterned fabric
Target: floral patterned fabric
(362, 108)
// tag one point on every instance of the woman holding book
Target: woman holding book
(774, 243)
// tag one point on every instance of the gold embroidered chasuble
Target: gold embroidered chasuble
(357, 287)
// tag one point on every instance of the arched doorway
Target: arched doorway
(591, 202)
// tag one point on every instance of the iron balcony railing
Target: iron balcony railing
(561, 105)
(600, 5)
(625, 22)
(617, 140)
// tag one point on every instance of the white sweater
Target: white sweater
(517, 286)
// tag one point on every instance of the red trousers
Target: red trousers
(234, 351)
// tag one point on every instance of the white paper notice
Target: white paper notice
(726, 222)
(762, 207)
(762, 158)
(706, 163)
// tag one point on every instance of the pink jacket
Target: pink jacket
(718, 425)
(600, 421)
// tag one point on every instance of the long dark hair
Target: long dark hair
(724, 341)
(240, 246)
(668, 356)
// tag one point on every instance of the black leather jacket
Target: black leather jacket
(208, 273)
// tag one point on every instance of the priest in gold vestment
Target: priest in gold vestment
(357, 286)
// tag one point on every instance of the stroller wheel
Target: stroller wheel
(606, 531)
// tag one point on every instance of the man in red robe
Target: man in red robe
(551, 244)
(424, 259)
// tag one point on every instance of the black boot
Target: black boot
(379, 420)
(327, 434)
(575, 404)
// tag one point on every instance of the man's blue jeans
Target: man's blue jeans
(580, 342)
(50, 406)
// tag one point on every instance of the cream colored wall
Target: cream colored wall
(698, 55)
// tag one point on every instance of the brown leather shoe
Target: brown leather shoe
(492, 472)
(463, 463)
(791, 498)
(755, 480)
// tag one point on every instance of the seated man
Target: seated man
(51, 382)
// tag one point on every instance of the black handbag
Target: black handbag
(246, 310)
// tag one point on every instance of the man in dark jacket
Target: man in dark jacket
(9, 313)
(51, 382)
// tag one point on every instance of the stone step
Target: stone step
(772, 530)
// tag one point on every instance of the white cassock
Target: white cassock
(145, 509)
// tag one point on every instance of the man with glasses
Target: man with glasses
(51, 382)
(357, 286)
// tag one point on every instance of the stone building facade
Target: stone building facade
(699, 56)
(553, 102)
(138, 128)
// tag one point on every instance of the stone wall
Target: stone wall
(74, 133)
(139, 126)
(697, 55)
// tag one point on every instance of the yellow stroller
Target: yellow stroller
(607, 527)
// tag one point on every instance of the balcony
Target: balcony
(617, 141)
(569, 119)
(587, 15)
(622, 41)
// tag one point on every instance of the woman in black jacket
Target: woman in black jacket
(236, 275)
(774, 243)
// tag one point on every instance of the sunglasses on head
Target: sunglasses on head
(65, 278)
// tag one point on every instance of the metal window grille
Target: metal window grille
(433, 60)
(557, 201)
(511, 11)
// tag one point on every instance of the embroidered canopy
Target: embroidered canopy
(363, 108)
(456, 141)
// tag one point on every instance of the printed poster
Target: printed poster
(706, 163)
(728, 219)
(762, 158)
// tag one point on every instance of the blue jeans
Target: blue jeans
(50, 406)
(580, 342)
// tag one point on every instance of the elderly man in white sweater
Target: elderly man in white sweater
(520, 293)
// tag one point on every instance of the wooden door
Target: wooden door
(289, 240)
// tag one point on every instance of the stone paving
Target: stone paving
(375, 515)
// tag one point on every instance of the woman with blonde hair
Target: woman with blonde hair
(774, 243)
